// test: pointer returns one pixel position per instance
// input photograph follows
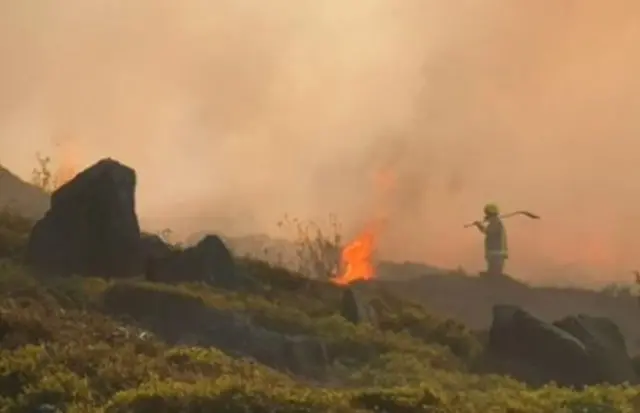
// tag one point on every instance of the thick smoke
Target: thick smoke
(236, 112)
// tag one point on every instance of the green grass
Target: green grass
(72, 343)
(60, 347)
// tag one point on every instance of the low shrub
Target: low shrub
(58, 350)
(14, 234)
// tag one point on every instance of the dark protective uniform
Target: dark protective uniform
(495, 246)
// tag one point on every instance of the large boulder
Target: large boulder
(605, 346)
(208, 261)
(575, 351)
(551, 353)
(91, 227)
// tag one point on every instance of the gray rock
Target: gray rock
(555, 354)
(91, 227)
(605, 346)
(209, 261)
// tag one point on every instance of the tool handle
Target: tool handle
(472, 224)
(509, 215)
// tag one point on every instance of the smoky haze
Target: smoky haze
(236, 112)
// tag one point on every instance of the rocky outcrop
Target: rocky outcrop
(208, 261)
(574, 352)
(554, 353)
(153, 247)
(605, 346)
(91, 227)
(153, 250)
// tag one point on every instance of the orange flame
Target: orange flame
(357, 257)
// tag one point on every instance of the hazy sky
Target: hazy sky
(235, 112)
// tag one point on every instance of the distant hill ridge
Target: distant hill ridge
(23, 197)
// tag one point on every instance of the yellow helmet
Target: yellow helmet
(491, 209)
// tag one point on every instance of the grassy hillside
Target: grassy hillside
(86, 344)
(470, 298)
(61, 345)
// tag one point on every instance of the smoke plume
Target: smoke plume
(236, 112)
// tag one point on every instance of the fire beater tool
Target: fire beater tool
(511, 214)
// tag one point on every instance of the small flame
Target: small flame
(356, 259)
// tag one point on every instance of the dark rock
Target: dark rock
(605, 345)
(209, 261)
(555, 354)
(356, 310)
(575, 351)
(152, 246)
(153, 250)
(91, 227)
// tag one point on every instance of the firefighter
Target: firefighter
(495, 240)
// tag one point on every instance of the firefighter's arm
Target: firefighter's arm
(480, 227)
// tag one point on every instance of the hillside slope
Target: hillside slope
(273, 341)
(32, 202)
(470, 299)
(62, 346)
(278, 343)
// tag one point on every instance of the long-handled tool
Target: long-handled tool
(511, 214)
